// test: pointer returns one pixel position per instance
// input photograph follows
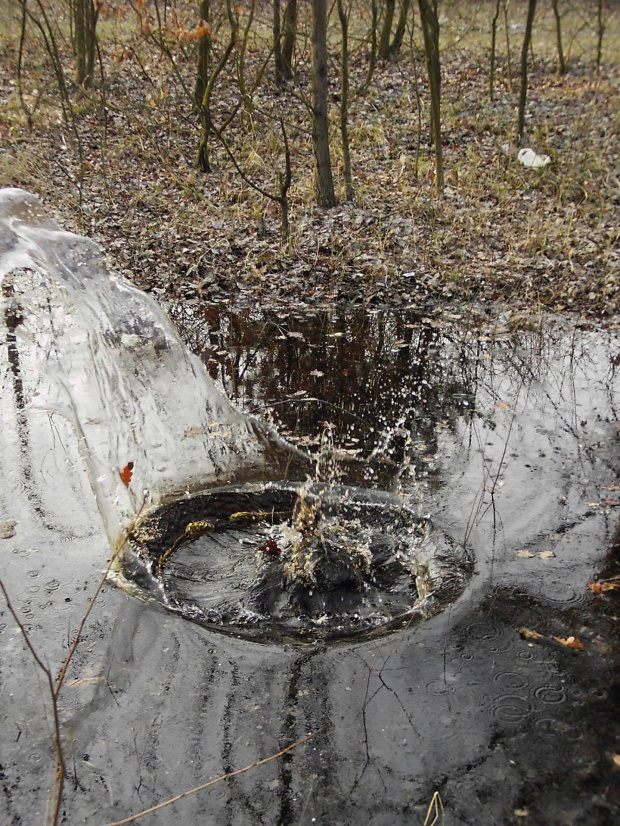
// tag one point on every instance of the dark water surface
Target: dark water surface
(510, 444)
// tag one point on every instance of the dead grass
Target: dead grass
(501, 232)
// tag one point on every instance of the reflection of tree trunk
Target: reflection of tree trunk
(527, 38)
(430, 29)
(289, 34)
(320, 122)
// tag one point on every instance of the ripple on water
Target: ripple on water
(485, 630)
(558, 593)
(438, 688)
(510, 709)
(511, 680)
(551, 694)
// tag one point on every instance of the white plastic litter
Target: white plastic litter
(529, 158)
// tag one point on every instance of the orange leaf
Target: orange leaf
(126, 473)
(604, 585)
(570, 642)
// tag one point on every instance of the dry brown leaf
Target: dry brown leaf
(603, 585)
(570, 642)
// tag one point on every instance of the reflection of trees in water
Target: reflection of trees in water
(384, 381)
(387, 382)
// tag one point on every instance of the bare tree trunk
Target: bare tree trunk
(202, 152)
(507, 32)
(527, 38)
(320, 122)
(202, 60)
(386, 30)
(289, 35)
(372, 62)
(430, 29)
(558, 30)
(401, 27)
(246, 97)
(344, 100)
(277, 42)
(493, 44)
(84, 25)
(600, 29)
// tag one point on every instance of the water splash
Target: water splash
(299, 562)
(266, 559)
(86, 345)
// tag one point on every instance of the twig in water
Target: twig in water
(54, 686)
(435, 807)
(215, 780)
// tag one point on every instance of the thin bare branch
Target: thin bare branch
(227, 776)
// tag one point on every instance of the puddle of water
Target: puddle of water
(509, 444)
(506, 421)
(384, 382)
(297, 562)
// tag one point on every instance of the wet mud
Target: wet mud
(509, 444)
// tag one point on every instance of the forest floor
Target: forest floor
(501, 238)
